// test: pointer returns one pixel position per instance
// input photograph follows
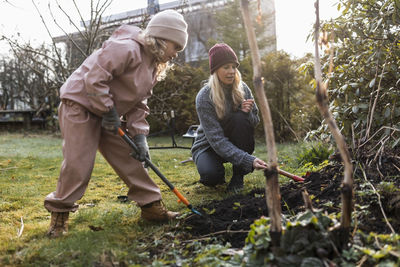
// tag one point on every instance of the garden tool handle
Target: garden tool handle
(180, 197)
(292, 176)
(147, 160)
(162, 177)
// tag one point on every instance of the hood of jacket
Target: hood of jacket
(128, 32)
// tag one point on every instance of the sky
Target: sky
(294, 19)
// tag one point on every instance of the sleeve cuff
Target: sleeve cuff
(247, 163)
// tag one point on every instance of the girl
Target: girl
(114, 81)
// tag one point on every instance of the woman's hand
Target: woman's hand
(259, 164)
(247, 105)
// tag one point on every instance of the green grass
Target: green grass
(29, 167)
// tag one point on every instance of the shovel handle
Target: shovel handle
(148, 162)
(292, 176)
(180, 197)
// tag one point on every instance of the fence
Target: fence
(20, 119)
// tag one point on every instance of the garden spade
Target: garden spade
(181, 198)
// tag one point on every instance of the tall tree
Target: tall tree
(230, 28)
(289, 93)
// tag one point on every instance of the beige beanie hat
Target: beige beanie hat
(169, 25)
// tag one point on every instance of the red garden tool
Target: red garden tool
(181, 198)
(292, 176)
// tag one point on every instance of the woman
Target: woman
(228, 115)
(114, 81)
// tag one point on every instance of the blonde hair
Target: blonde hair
(217, 94)
(157, 47)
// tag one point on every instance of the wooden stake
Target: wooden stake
(307, 200)
(323, 105)
(273, 196)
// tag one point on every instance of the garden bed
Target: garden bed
(376, 190)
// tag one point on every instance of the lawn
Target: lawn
(104, 229)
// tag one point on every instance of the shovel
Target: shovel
(181, 198)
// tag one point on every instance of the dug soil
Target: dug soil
(229, 220)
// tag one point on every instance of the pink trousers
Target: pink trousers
(82, 136)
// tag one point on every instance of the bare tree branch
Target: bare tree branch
(379, 200)
(323, 105)
(66, 34)
(52, 40)
(372, 110)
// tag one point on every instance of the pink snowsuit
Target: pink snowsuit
(121, 73)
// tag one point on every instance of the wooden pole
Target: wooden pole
(323, 105)
(272, 185)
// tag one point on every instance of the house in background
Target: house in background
(199, 14)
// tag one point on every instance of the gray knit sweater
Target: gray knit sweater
(211, 134)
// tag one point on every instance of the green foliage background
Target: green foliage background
(364, 85)
(287, 86)
(177, 92)
(289, 94)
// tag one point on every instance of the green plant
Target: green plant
(302, 238)
(317, 154)
(306, 241)
(378, 249)
(388, 187)
(183, 83)
(258, 242)
(363, 84)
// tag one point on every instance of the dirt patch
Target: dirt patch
(229, 220)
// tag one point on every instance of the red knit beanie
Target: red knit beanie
(221, 54)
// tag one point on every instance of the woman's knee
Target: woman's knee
(210, 167)
(212, 177)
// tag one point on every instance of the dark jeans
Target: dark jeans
(240, 132)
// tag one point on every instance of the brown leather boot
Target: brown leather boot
(156, 212)
(59, 224)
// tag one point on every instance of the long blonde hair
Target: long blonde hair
(217, 94)
(157, 47)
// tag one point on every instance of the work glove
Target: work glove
(143, 149)
(111, 121)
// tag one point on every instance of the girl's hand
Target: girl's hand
(247, 105)
(259, 164)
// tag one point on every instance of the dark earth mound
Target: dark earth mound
(229, 220)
